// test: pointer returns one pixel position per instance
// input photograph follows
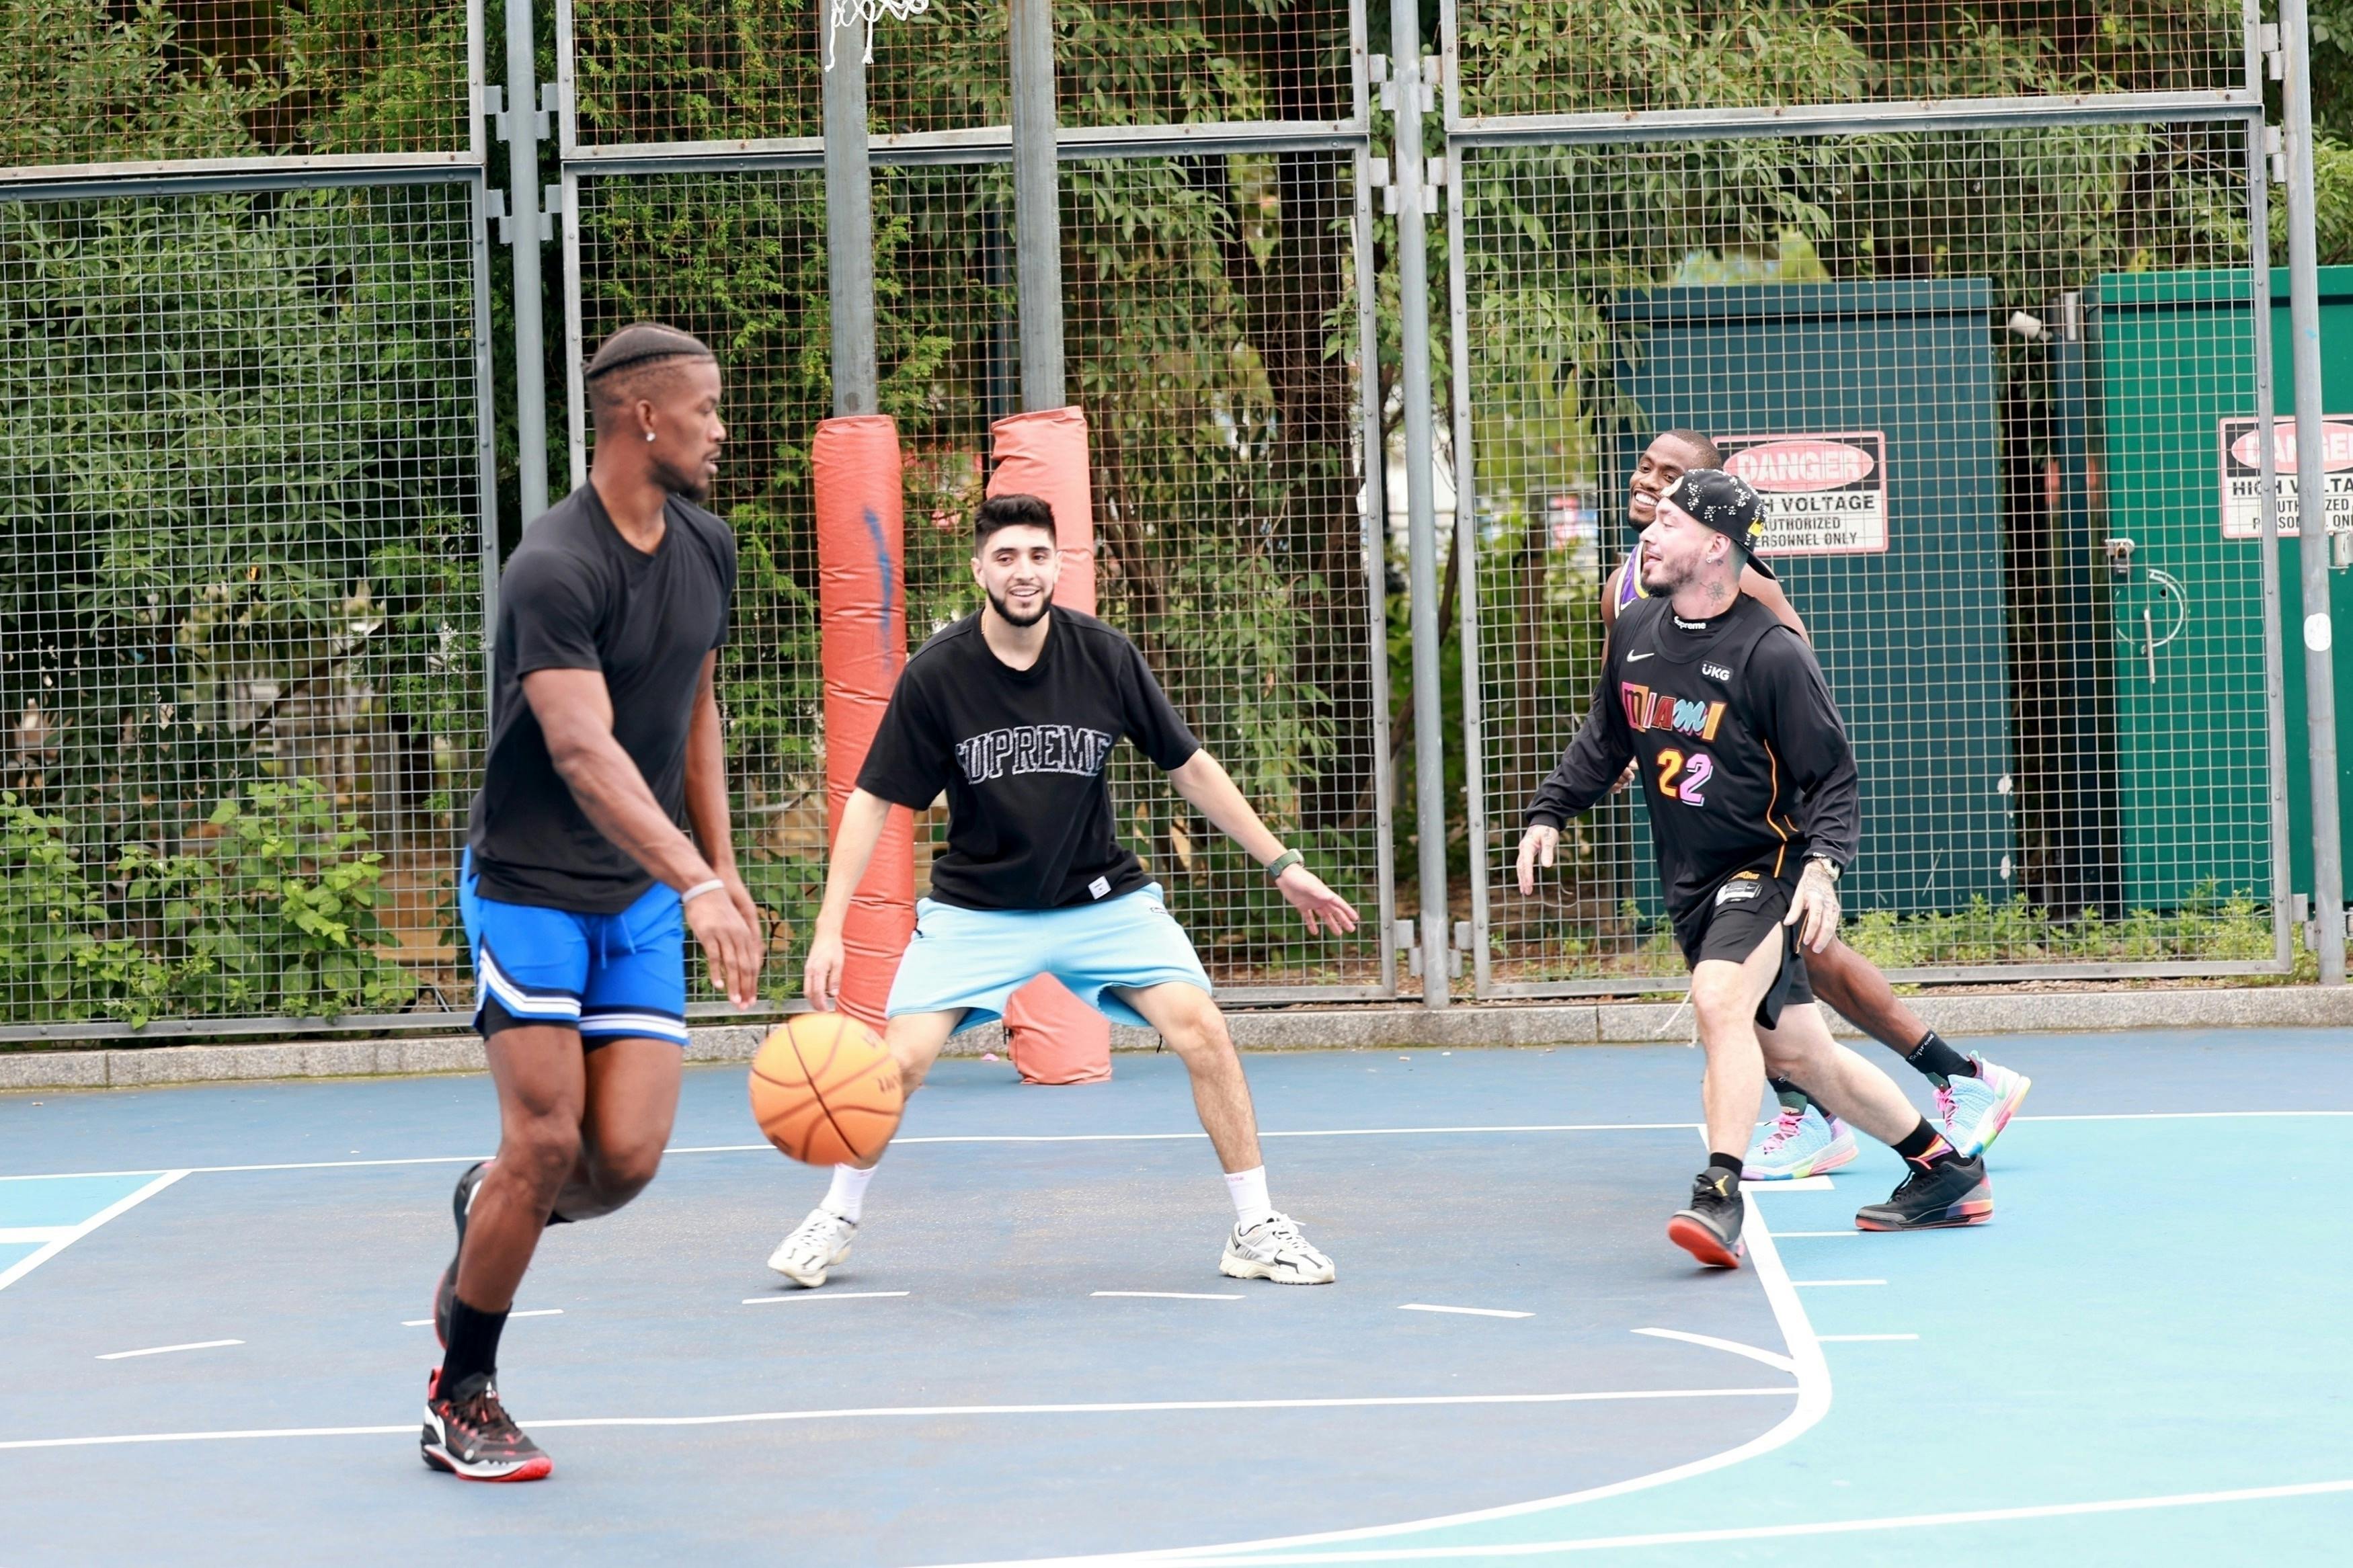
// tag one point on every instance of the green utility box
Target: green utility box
(2174, 412)
(1864, 413)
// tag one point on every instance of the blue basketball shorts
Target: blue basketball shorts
(976, 958)
(604, 975)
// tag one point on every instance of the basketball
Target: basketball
(824, 1089)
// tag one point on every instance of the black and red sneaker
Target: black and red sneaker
(1952, 1191)
(1709, 1229)
(461, 1204)
(470, 1434)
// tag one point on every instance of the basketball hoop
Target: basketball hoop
(868, 12)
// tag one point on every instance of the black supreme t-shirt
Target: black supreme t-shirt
(1020, 753)
(577, 595)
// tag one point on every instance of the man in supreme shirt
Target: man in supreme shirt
(1013, 712)
(1754, 814)
(1974, 1098)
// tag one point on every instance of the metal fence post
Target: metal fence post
(2312, 495)
(1421, 514)
(2258, 280)
(849, 212)
(523, 202)
(1037, 204)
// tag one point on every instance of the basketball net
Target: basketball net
(868, 12)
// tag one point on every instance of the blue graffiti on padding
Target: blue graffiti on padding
(881, 565)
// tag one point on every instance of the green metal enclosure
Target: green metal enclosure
(2174, 413)
(1865, 413)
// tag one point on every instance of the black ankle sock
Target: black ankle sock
(473, 1349)
(1940, 1060)
(1791, 1097)
(1924, 1146)
(1724, 1163)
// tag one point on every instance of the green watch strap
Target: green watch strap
(1282, 863)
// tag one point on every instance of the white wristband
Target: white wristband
(697, 891)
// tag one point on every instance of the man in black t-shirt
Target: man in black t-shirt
(1012, 713)
(1747, 775)
(579, 880)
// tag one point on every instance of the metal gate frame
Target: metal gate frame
(578, 161)
(2241, 105)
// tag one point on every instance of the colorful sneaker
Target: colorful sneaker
(1974, 1110)
(461, 1204)
(1274, 1249)
(1710, 1228)
(1805, 1142)
(815, 1244)
(1947, 1193)
(469, 1435)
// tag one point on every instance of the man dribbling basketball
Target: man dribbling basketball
(577, 880)
(1013, 711)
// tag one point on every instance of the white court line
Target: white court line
(1862, 1339)
(533, 1312)
(1466, 1312)
(1802, 1184)
(17, 1235)
(119, 1207)
(1816, 1234)
(1782, 1531)
(905, 1142)
(167, 1350)
(934, 1412)
(1169, 1295)
(1753, 1353)
(815, 1296)
(1825, 1284)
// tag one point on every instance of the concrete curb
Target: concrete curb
(1379, 1026)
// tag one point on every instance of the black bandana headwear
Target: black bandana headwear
(643, 340)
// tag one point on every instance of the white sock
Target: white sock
(847, 1196)
(1247, 1189)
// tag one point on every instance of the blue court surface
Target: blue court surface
(214, 1300)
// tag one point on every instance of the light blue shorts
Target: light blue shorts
(974, 958)
(604, 975)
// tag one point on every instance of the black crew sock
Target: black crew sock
(1940, 1060)
(473, 1349)
(1925, 1147)
(1791, 1097)
(1725, 1162)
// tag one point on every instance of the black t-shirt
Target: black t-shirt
(1743, 756)
(577, 595)
(1020, 753)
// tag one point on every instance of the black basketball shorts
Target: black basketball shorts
(1745, 910)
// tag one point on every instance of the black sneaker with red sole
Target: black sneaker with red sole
(469, 1435)
(1710, 1228)
(1950, 1194)
(461, 1204)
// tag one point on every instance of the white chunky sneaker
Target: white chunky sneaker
(815, 1244)
(1273, 1249)
(1806, 1141)
(1975, 1110)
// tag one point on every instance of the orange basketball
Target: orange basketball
(824, 1089)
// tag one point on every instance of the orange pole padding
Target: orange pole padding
(1051, 1036)
(1045, 455)
(861, 569)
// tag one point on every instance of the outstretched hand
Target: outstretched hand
(731, 945)
(1323, 910)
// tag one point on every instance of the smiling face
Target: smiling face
(1662, 462)
(1679, 550)
(1016, 566)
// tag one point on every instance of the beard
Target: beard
(691, 487)
(1045, 603)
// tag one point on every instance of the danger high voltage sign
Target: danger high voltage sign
(1823, 495)
(2243, 476)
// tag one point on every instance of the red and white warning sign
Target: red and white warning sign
(1823, 495)
(2243, 476)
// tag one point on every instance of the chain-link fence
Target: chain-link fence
(1988, 382)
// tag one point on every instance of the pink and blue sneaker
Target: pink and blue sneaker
(1805, 1140)
(1974, 1110)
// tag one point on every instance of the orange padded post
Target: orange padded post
(861, 567)
(1052, 1037)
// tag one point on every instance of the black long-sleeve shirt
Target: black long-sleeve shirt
(1743, 758)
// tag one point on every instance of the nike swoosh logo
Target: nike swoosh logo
(1633, 657)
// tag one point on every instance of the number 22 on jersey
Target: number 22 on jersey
(1684, 778)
